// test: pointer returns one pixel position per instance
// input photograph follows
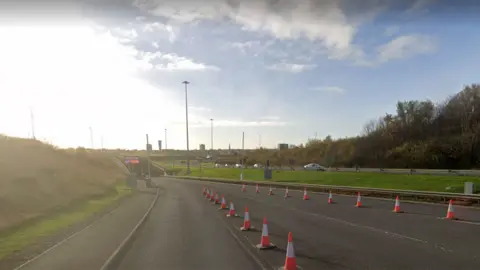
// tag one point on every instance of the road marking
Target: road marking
(66, 239)
(250, 253)
(373, 229)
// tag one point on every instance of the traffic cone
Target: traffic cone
(330, 197)
(286, 193)
(231, 211)
(450, 211)
(243, 188)
(212, 196)
(270, 191)
(396, 208)
(203, 192)
(265, 241)
(216, 200)
(246, 221)
(257, 189)
(207, 194)
(305, 195)
(223, 205)
(359, 201)
(290, 260)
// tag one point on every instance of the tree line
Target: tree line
(421, 134)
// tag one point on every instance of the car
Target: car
(256, 165)
(314, 167)
(238, 165)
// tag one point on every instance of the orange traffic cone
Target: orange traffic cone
(207, 193)
(217, 199)
(305, 195)
(203, 192)
(290, 260)
(330, 197)
(286, 193)
(212, 196)
(257, 190)
(231, 211)
(396, 208)
(265, 241)
(246, 221)
(243, 188)
(450, 211)
(270, 191)
(223, 205)
(359, 201)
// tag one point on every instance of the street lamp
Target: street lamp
(186, 123)
(211, 134)
(165, 139)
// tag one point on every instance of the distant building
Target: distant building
(282, 146)
(202, 147)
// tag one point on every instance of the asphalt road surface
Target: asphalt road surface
(186, 231)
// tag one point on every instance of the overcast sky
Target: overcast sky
(281, 71)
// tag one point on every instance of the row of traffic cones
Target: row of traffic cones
(290, 260)
(396, 208)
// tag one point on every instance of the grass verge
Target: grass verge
(18, 238)
(356, 179)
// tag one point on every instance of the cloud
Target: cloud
(156, 26)
(199, 109)
(174, 62)
(273, 118)
(420, 5)
(406, 46)
(243, 46)
(293, 68)
(330, 89)
(320, 21)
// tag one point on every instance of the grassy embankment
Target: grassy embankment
(357, 179)
(44, 190)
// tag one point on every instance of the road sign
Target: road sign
(132, 160)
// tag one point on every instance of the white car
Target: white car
(238, 165)
(256, 165)
(217, 165)
(314, 167)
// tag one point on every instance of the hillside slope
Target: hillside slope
(36, 178)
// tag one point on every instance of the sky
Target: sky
(280, 71)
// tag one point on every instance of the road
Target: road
(185, 231)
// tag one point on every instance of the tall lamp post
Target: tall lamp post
(211, 134)
(165, 139)
(186, 122)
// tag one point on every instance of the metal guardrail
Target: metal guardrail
(437, 197)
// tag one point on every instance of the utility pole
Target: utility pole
(243, 153)
(32, 122)
(211, 134)
(165, 139)
(186, 122)
(91, 137)
(148, 162)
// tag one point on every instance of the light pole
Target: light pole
(91, 137)
(165, 139)
(186, 122)
(211, 134)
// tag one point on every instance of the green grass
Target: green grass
(17, 239)
(357, 179)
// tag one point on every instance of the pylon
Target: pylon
(450, 211)
(330, 197)
(286, 193)
(216, 200)
(270, 191)
(396, 208)
(243, 188)
(290, 260)
(246, 221)
(231, 211)
(265, 241)
(223, 205)
(257, 190)
(203, 192)
(207, 194)
(212, 196)
(359, 200)
(305, 195)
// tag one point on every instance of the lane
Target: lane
(342, 237)
(185, 232)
